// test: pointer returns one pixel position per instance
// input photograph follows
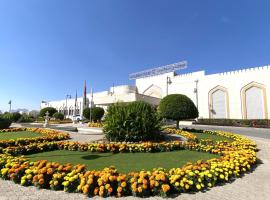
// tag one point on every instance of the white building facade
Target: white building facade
(241, 94)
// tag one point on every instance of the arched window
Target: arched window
(254, 103)
(218, 103)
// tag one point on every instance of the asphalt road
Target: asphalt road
(252, 132)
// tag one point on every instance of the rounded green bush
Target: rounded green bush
(51, 111)
(177, 107)
(58, 115)
(136, 121)
(96, 113)
(4, 123)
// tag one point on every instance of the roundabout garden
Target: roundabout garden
(145, 163)
(41, 161)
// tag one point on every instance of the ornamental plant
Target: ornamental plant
(58, 115)
(177, 107)
(14, 117)
(237, 158)
(96, 113)
(4, 123)
(136, 121)
(51, 111)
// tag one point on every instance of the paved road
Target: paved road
(252, 132)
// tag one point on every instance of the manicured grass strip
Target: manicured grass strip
(18, 134)
(124, 162)
(212, 137)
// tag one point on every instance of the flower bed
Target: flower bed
(237, 158)
(95, 124)
(46, 135)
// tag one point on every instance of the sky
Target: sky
(49, 47)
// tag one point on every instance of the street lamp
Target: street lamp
(67, 96)
(168, 82)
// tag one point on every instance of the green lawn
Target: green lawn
(124, 162)
(18, 134)
(212, 137)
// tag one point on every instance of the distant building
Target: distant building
(241, 94)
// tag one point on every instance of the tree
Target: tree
(177, 107)
(96, 113)
(58, 115)
(51, 111)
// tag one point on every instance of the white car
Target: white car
(77, 117)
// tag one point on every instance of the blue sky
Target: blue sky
(49, 47)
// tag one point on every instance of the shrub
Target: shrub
(4, 123)
(51, 111)
(260, 123)
(14, 117)
(26, 118)
(58, 115)
(136, 121)
(177, 107)
(96, 113)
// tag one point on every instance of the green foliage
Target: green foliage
(177, 107)
(261, 123)
(96, 113)
(51, 111)
(26, 118)
(4, 123)
(136, 121)
(14, 117)
(58, 115)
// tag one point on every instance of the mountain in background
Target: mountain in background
(20, 110)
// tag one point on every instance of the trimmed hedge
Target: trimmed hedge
(4, 123)
(177, 107)
(259, 123)
(51, 111)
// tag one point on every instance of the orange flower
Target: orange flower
(41, 181)
(119, 189)
(165, 188)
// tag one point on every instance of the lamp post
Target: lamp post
(67, 96)
(168, 82)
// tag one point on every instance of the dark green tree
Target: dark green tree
(51, 111)
(96, 113)
(177, 107)
(58, 115)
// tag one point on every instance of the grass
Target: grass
(18, 134)
(212, 137)
(124, 162)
